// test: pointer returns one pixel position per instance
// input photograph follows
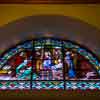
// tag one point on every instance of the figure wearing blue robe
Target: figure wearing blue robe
(47, 60)
(47, 63)
(71, 71)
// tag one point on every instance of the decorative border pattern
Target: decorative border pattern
(13, 85)
(48, 85)
(82, 85)
(64, 84)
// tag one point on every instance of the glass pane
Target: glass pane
(48, 64)
(39, 43)
(18, 67)
(39, 52)
(78, 67)
(56, 43)
(82, 85)
(48, 85)
(13, 51)
(47, 69)
(12, 85)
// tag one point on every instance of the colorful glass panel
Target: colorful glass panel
(49, 64)
(15, 50)
(48, 85)
(13, 85)
(18, 67)
(83, 85)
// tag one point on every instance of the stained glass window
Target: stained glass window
(48, 63)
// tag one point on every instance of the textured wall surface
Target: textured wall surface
(79, 23)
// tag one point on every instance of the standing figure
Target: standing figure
(38, 61)
(47, 60)
(69, 61)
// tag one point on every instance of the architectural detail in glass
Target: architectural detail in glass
(49, 64)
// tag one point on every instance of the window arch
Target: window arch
(48, 63)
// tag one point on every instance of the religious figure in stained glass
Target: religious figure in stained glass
(49, 64)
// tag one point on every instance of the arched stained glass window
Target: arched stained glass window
(48, 63)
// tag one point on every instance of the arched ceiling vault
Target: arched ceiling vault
(50, 25)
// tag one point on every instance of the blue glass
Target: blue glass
(71, 71)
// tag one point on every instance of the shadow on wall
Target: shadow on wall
(50, 26)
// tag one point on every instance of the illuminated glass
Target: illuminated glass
(49, 64)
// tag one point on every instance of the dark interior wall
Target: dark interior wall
(48, 1)
(50, 25)
(50, 95)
